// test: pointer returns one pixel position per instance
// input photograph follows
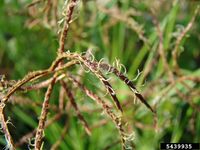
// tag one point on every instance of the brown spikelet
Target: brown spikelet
(95, 70)
(43, 116)
(35, 75)
(4, 127)
(180, 38)
(75, 106)
(112, 93)
(116, 119)
(128, 82)
(68, 18)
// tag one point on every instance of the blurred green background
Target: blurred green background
(121, 29)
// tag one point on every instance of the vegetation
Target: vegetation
(104, 74)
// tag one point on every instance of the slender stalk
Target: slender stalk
(43, 116)
(4, 127)
(75, 106)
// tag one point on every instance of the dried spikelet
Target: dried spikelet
(68, 17)
(181, 36)
(43, 116)
(35, 75)
(125, 18)
(115, 118)
(128, 82)
(75, 106)
(93, 66)
(4, 128)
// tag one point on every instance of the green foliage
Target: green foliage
(114, 31)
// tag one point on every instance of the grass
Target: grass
(141, 35)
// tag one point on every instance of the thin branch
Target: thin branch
(70, 9)
(35, 75)
(62, 136)
(116, 119)
(29, 135)
(125, 18)
(61, 98)
(161, 47)
(128, 82)
(75, 106)
(4, 127)
(34, 3)
(180, 38)
(43, 116)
